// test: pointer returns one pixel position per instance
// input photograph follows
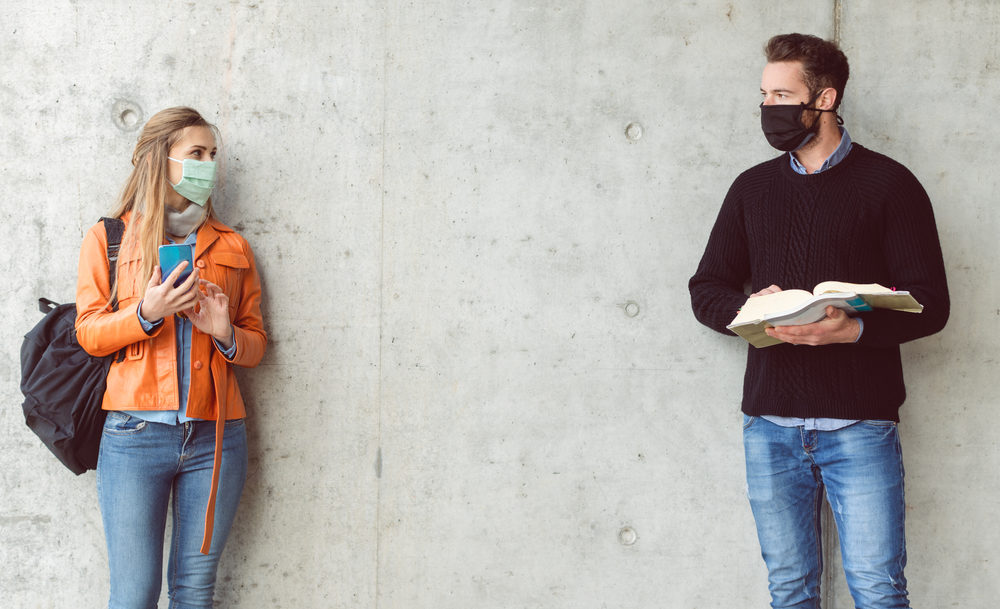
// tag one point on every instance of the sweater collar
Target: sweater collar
(835, 157)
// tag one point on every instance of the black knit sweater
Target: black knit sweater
(865, 220)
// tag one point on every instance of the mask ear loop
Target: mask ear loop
(840, 119)
(805, 106)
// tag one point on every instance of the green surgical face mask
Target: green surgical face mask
(197, 180)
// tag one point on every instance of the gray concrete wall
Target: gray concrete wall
(484, 382)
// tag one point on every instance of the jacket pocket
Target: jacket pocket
(129, 283)
(229, 271)
(232, 260)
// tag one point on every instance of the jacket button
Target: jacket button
(200, 264)
(197, 365)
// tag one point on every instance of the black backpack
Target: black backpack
(63, 385)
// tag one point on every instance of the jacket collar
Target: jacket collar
(208, 234)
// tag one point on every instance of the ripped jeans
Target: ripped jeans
(141, 465)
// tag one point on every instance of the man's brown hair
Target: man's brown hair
(823, 63)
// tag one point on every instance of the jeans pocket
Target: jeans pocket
(878, 423)
(235, 431)
(121, 424)
(748, 421)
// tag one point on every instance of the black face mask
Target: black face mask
(783, 127)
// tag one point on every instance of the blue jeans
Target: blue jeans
(861, 468)
(140, 464)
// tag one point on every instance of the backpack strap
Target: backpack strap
(115, 228)
(47, 306)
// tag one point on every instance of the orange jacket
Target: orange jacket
(147, 378)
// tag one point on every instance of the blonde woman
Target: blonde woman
(174, 435)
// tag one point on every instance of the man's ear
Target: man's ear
(827, 98)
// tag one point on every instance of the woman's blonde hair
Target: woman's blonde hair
(145, 190)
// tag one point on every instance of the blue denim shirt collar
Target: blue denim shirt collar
(838, 155)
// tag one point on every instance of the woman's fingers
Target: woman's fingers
(174, 274)
(154, 279)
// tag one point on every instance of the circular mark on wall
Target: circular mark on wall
(627, 536)
(126, 115)
(633, 131)
(631, 308)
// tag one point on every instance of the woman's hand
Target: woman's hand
(212, 314)
(163, 299)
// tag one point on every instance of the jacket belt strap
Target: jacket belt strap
(220, 429)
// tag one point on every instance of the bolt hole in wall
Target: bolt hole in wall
(126, 115)
(633, 131)
(627, 536)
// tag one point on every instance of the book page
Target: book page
(857, 288)
(876, 295)
(757, 307)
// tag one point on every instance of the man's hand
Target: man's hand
(771, 289)
(836, 328)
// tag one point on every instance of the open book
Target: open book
(799, 307)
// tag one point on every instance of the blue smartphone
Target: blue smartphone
(171, 256)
